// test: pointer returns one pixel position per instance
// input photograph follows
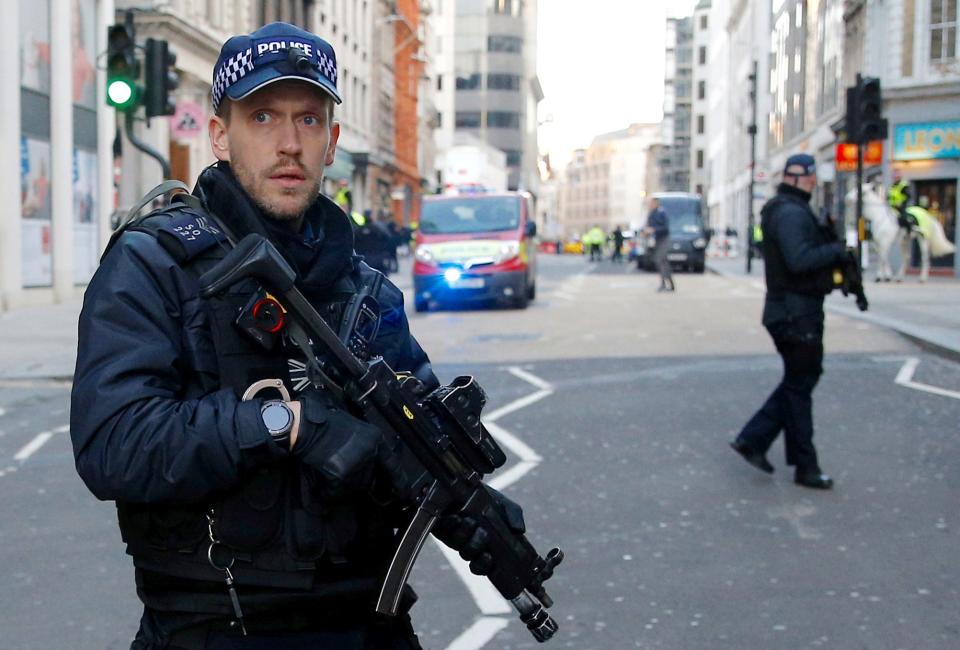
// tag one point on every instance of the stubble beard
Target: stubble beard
(256, 188)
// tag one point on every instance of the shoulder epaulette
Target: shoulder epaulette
(185, 234)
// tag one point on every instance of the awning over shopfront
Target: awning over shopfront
(342, 167)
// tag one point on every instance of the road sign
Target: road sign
(187, 121)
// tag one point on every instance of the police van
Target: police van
(475, 247)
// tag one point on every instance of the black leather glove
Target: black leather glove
(471, 539)
(346, 452)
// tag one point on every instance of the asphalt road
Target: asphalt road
(671, 540)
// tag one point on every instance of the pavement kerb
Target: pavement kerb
(912, 332)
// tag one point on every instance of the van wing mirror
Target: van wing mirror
(531, 229)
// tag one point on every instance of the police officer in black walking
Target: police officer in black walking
(257, 509)
(799, 257)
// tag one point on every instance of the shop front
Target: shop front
(927, 155)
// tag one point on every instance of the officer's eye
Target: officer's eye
(311, 120)
(261, 117)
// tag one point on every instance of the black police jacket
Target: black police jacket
(799, 255)
(158, 425)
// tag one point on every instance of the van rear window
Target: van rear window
(470, 214)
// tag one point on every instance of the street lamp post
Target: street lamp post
(752, 130)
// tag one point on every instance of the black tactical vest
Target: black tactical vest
(279, 534)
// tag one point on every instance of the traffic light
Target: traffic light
(123, 69)
(159, 78)
(864, 120)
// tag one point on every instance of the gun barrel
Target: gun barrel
(538, 621)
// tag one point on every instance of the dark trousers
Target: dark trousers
(595, 252)
(663, 264)
(384, 634)
(790, 407)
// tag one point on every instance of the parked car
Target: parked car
(688, 235)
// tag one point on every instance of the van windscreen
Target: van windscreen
(470, 214)
(684, 213)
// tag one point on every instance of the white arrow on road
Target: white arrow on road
(491, 604)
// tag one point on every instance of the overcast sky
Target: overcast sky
(600, 64)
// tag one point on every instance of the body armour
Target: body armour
(279, 534)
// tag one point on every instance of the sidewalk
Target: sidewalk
(39, 342)
(928, 314)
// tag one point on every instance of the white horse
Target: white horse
(886, 233)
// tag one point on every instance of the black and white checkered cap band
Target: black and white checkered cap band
(232, 70)
(328, 67)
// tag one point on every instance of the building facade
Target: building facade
(700, 89)
(605, 184)
(56, 141)
(486, 80)
(70, 178)
(677, 105)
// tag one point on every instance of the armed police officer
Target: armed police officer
(799, 257)
(248, 513)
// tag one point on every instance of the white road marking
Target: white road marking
(38, 441)
(3, 411)
(516, 371)
(517, 405)
(905, 378)
(31, 447)
(488, 599)
(479, 634)
(795, 513)
(563, 296)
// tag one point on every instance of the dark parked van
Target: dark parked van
(688, 234)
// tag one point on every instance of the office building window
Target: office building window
(497, 81)
(296, 12)
(700, 124)
(943, 30)
(439, 82)
(507, 7)
(503, 119)
(703, 21)
(468, 82)
(699, 158)
(502, 43)
(701, 90)
(513, 157)
(467, 120)
(702, 54)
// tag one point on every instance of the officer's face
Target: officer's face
(277, 141)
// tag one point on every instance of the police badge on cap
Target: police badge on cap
(274, 52)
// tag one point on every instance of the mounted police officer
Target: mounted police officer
(799, 257)
(253, 516)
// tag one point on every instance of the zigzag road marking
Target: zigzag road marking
(489, 601)
(905, 378)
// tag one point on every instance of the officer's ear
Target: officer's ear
(219, 140)
(332, 145)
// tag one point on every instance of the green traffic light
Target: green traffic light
(120, 93)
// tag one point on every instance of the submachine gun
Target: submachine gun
(445, 450)
(847, 276)
(849, 279)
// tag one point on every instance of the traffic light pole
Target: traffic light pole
(752, 130)
(860, 225)
(144, 147)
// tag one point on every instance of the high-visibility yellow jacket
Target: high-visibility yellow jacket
(594, 236)
(897, 195)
